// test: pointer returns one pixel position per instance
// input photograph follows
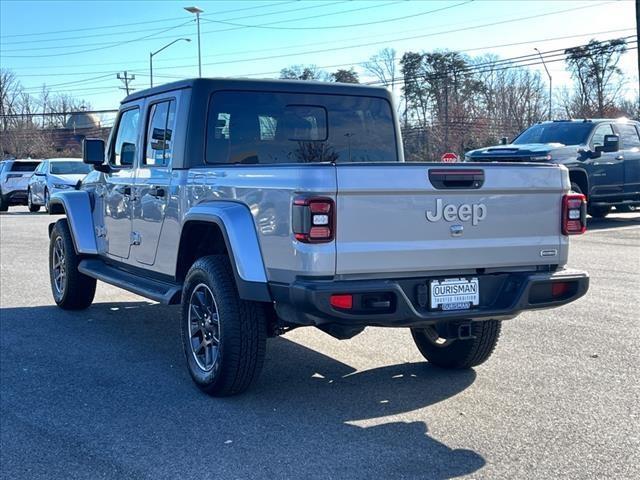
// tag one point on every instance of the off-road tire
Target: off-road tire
(33, 208)
(79, 289)
(458, 354)
(242, 330)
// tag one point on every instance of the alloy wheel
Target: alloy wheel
(204, 327)
(58, 269)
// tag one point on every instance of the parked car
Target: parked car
(14, 179)
(602, 155)
(263, 206)
(53, 175)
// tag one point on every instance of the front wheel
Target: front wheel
(599, 212)
(33, 208)
(46, 199)
(224, 337)
(71, 289)
(456, 353)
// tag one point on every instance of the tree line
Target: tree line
(447, 101)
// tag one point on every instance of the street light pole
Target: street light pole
(550, 84)
(197, 12)
(151, 54)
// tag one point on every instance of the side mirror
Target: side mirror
(504, 141)
(93, 153)
(611, 144)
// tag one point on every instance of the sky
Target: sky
(78, 47)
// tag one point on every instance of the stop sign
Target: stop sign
(449, 157)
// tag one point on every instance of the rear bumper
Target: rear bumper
(15, 197)
(502, 296)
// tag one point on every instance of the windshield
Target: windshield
(566, 133)
(69, 168)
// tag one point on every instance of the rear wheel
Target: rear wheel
(71, 289)
(32, 207)
(224, 337)
(627, 208)
(456, 353)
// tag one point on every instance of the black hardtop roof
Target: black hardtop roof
(292, 86)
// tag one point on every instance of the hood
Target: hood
(67, 179)
(526, 152)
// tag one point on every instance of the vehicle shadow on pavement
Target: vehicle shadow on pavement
(110, 383)
(625, 220)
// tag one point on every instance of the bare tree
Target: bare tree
(382, 65)
(304, 72)
(598, 79)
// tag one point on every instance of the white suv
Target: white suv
(14, 177)
(53, 175)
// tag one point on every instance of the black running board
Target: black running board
(157, 290)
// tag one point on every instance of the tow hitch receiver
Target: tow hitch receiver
(455, 330)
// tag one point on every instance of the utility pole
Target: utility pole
(550, 83)
(638, 38)
(126, 78)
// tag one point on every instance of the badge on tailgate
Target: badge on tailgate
(454, 293)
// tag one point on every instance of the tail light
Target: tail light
(313, 219)
(574, 214)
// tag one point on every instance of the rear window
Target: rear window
(24, 166)
(69, 168)
(629, 135)
(268, 128)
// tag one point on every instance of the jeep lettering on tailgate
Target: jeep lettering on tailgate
(475, 212)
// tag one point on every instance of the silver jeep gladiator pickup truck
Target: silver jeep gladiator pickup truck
(263, 206)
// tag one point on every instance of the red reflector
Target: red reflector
(342, 301)
(317, 233)
(319, 207)
(558, 289)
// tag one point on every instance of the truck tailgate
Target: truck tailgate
(511, 220)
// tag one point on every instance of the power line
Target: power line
(375, 22)
(126, 79)
(116, 44)
(323, 5)
(141, 23)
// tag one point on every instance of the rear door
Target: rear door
(394, 219)
(153, 178)
(630, 145)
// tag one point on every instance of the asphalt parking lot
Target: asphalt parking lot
(104, 393)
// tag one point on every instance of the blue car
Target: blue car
(602, 155)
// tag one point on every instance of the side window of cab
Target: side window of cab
(598, 135)
(159, 139)
(125, 144)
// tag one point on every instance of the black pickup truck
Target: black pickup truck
(603, 158)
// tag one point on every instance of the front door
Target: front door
(118, 192)
(153, 179)
(606, 171)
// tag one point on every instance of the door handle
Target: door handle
(620, 157)
(157, 192)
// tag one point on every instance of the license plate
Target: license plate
(455, 294)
